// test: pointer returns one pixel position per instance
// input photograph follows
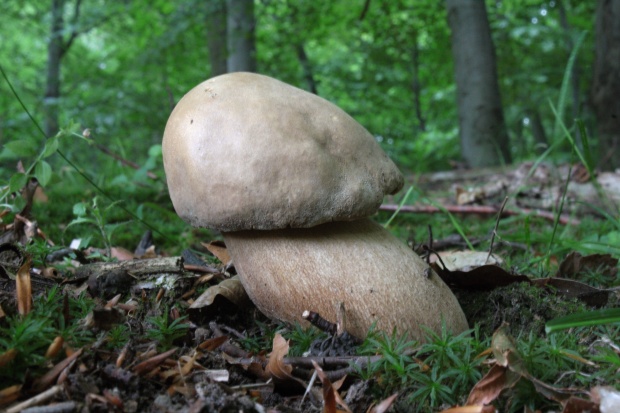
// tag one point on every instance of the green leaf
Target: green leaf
(51, 146)
(17, 182)
(43, 172)
(590, 318)
(26, 148)
(79, 209)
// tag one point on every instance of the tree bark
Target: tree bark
(482, 129)
(216, 36)
(416, 86)
(241, 36)
(538, 131)
(606, 82)
(306, 66)
(54, 57)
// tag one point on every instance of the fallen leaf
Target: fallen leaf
(578, 405)
(218, 248)
(280, 372)
(46, 380)
(231, 289)
(384, 405)
(153, 362)
(466, 260)
(574, 289)
(331, 397)
(491, 385)
(212, 343)
(576, 264)
(484, 278)
(24, 288)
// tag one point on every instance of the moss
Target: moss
(524, 307)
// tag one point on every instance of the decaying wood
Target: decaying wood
(110, 278)
(136, 268)
(531, 189)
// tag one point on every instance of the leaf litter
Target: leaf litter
(207, 369)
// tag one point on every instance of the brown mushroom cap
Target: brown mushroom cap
(245, 151)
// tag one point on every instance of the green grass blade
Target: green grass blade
(402, 202)
(590, 318)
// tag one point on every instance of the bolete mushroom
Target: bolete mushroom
(290, 180)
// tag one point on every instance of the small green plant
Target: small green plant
(302, 338)
(93, 214)
(166, 332)
(31, 335)
(442, 370)
(118, 336)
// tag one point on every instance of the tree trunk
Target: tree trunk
(538, 131)
(416, 86)
(304, 61)
(54, 57)
(216, 36)
(606, 82)
(241, 37)
(484, 138)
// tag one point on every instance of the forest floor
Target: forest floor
(145, 331)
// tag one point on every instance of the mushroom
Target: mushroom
(290, 181)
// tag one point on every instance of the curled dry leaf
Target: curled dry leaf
(231, 289)
(55, 347)
(331, 397)
(280, 372)
(10, 394)
(148, 365)
(7, 357)
(384, 405)
(218, 248)
(576, 264)
(46, 380)
(24, 289)
(466, 260)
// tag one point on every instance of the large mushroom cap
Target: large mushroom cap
(245, 151)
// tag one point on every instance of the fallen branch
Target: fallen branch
(479, 210)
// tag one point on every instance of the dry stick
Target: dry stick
(39, 398)
(124, 161)
(477, 209)
(499, 216)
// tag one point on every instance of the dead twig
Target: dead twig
(479, 210)
(494, 233)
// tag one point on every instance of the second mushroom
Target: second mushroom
(290, 180)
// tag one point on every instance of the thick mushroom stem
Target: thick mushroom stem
(358, 263)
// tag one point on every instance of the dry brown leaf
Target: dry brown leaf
(7, 357)
(46, 380)
(276, 366)
(384, 405)
(466, 260)
(218, 248)
(280, 372)
(231, 289)
(574, 289)
(24, 289)
(486, 277)
(331, 397)
(55, 347)
(122, 254)
(470, 409)
(149, 365)
(576, 264)
(212, 343)
(578, 405)
(491, 385)
(10, 394)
